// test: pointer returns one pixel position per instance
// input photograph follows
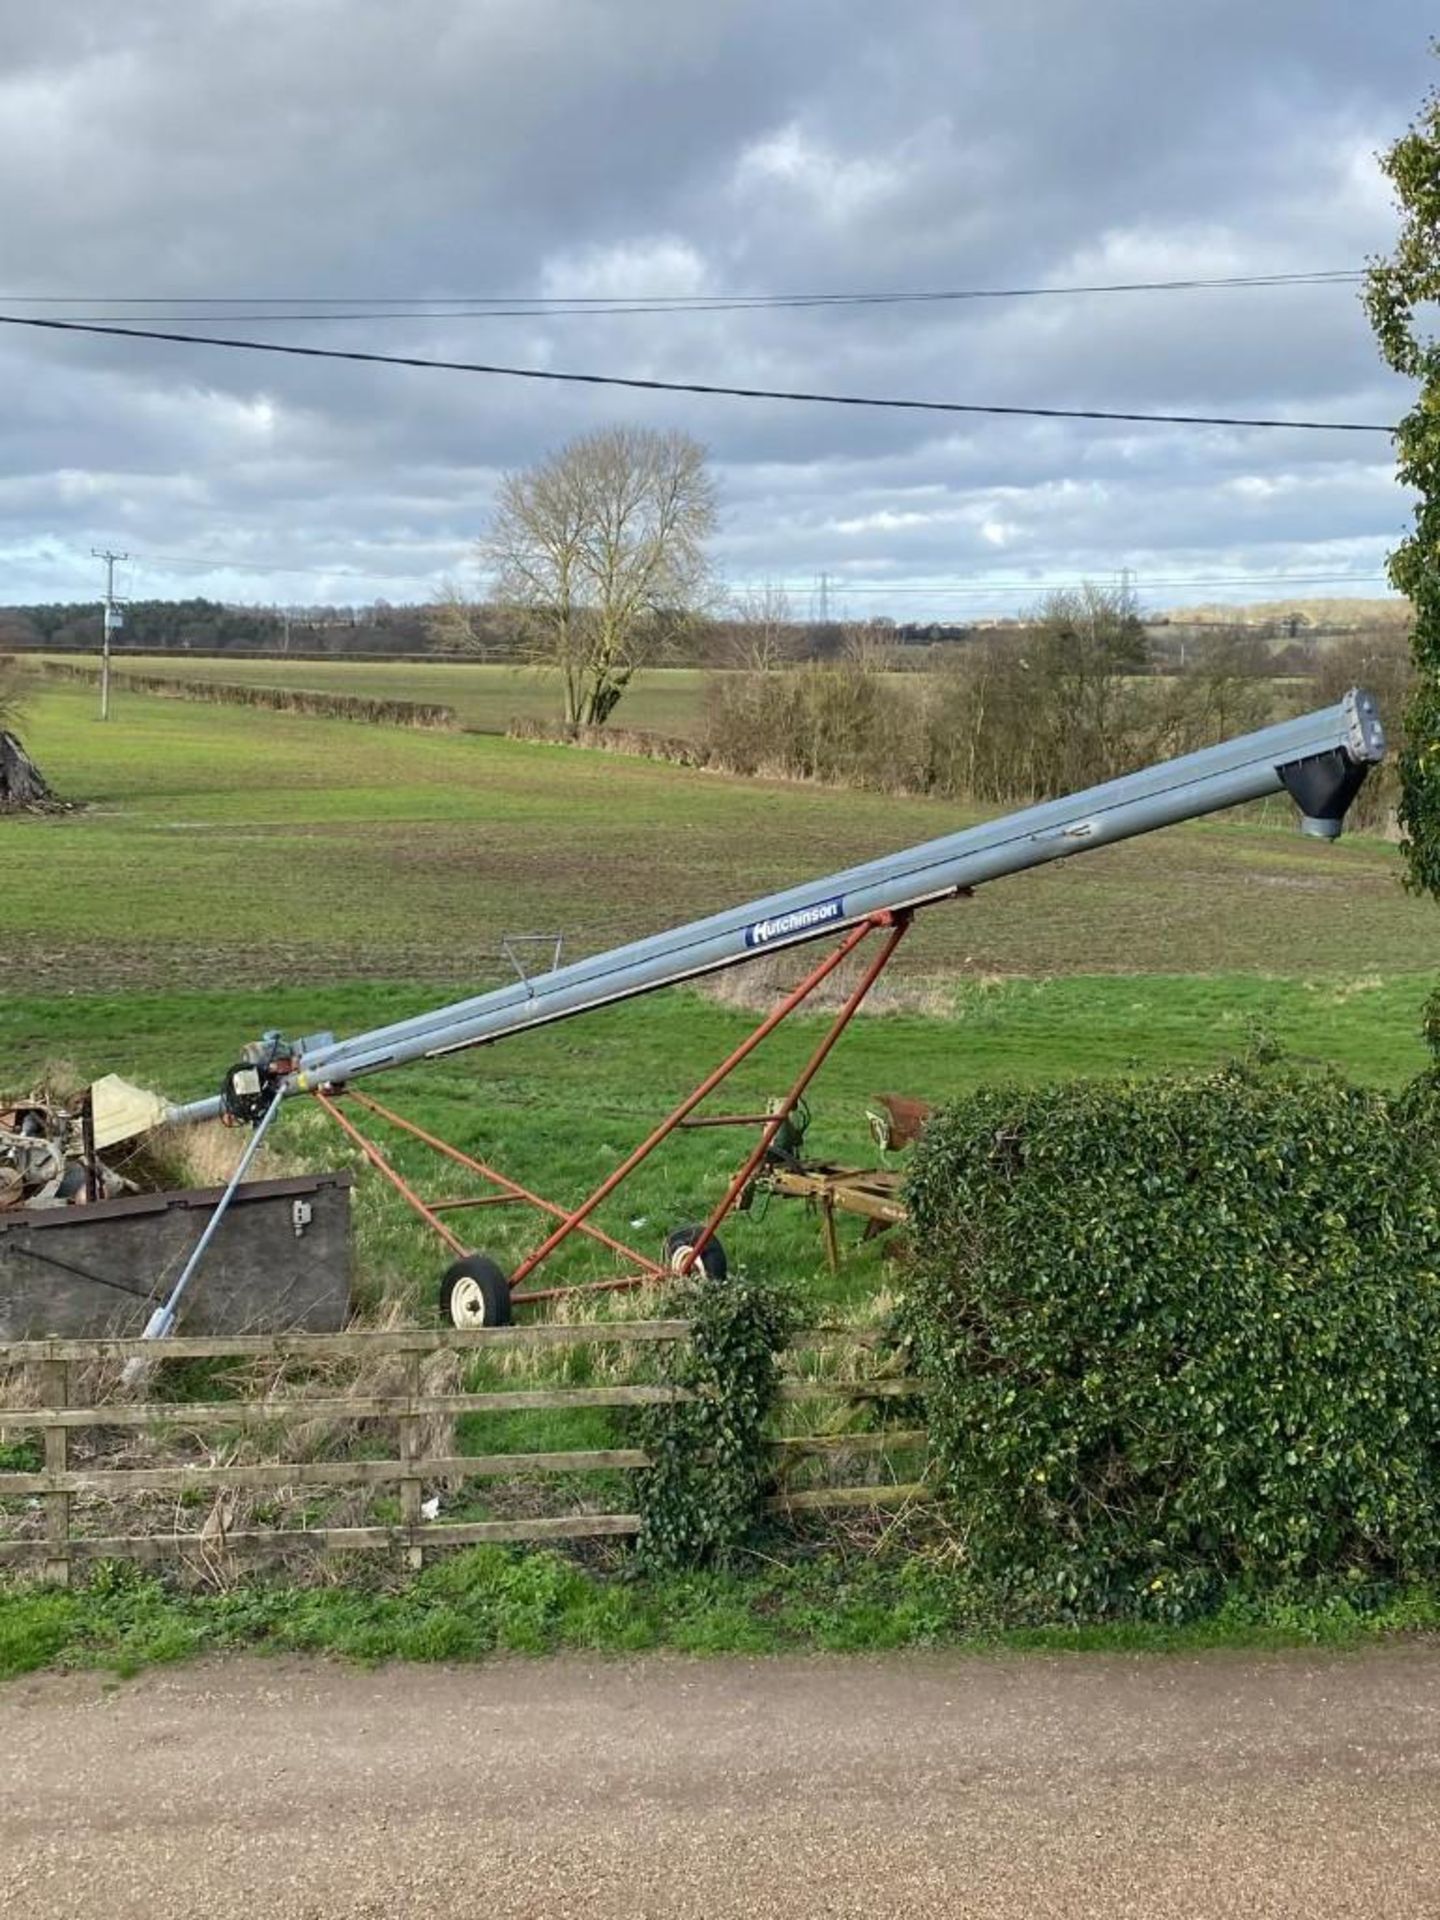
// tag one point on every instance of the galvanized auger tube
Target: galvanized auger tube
(1320, 759)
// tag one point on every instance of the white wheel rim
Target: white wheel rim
(680, 1256)
(467, 1302)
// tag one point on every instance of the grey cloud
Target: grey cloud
(568, 145)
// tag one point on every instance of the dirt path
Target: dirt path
(1288, 1786)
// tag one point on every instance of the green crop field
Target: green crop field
(219, 844)
(232, 870)
(485, 698)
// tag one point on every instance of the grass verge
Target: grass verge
(488, 1601)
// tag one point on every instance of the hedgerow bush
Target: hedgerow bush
(1182, 1334)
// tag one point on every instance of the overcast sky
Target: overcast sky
(291, 150)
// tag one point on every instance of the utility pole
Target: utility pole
(113, 619)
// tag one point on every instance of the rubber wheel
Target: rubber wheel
(475, 1293)
(712, 1261)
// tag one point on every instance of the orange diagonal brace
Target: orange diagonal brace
(500, 1180)
(381, 1165)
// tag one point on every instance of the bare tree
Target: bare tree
(1228, 687)
(1084, 649)
(1049, 707)
(600, 551)
(763, 633)
(453, 625)
(1380, 659)
(870, 645)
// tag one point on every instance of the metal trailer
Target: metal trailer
(1320, 759)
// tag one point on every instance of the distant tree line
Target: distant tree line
(204, 625)
(209, 626)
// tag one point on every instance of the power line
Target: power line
(706, 388)
(487, 306)
(271, 309)
(843, 589)
(826, 585)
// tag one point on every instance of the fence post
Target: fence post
(56, 1377)
(410, 1486)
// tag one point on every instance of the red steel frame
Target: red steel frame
(891, 925)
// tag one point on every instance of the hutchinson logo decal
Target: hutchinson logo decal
(785, 926)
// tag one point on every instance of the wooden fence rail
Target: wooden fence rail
(51, 1365)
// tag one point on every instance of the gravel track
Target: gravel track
(922, 1785)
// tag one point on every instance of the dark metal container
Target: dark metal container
(280, 1262)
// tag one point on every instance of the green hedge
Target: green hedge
(1182, 1333)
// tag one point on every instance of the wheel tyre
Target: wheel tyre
(475, 1293)
(712, 1262)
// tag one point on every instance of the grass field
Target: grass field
(221, 845)
(485, 698)
(557, 1108)
(233, 871)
